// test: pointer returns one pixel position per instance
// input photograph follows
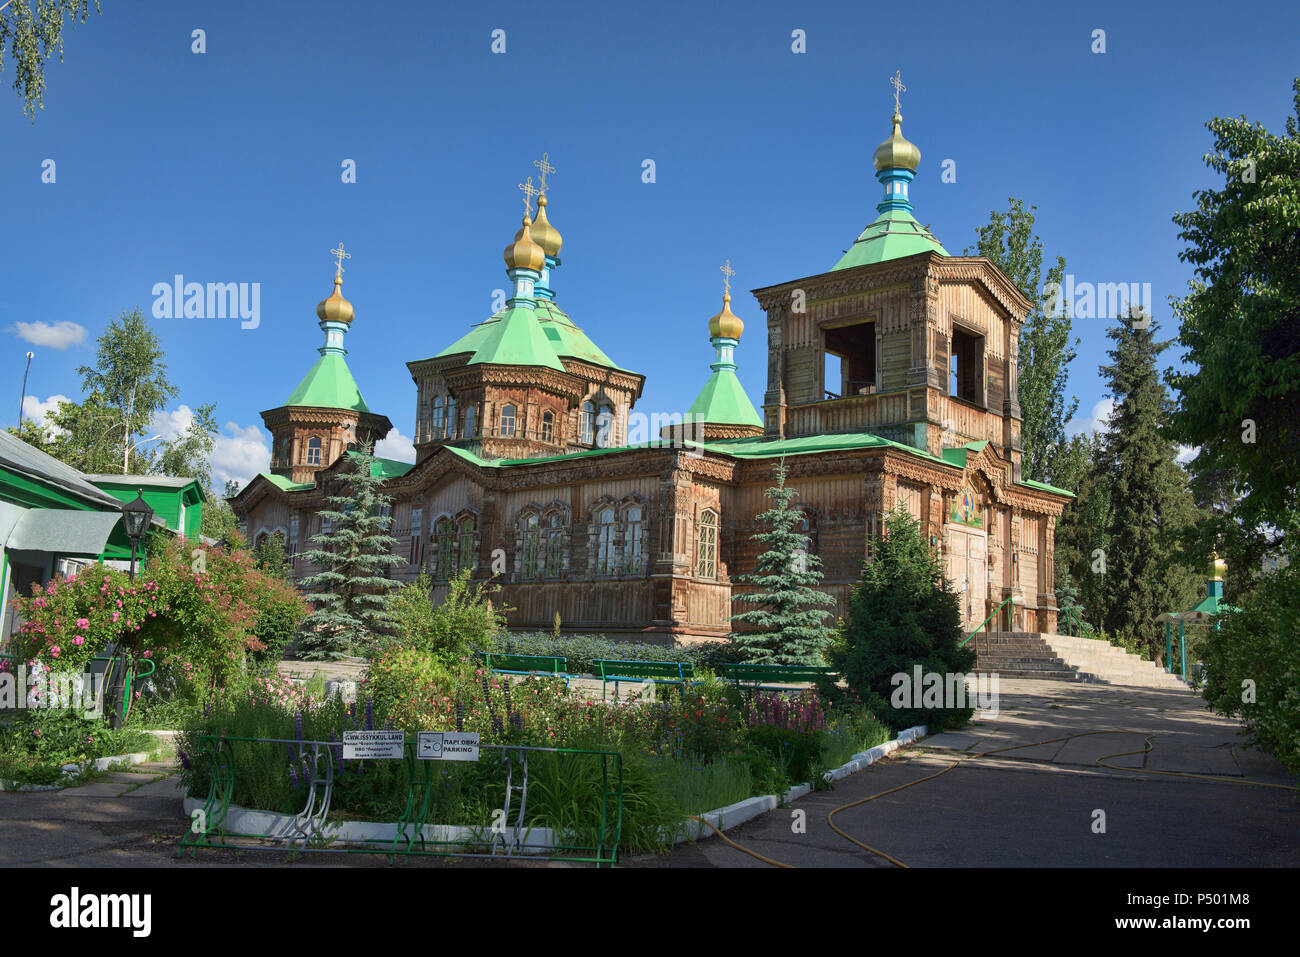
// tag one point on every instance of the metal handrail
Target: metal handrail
(1009, 599)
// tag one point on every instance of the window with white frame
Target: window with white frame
(507, 421)
(707, 548)
(605, 541)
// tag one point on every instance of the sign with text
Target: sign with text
(372, 745)
(448, 746)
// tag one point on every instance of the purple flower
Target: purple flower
(185, 759)
(293, 775)
(460, 716)
(370, 715)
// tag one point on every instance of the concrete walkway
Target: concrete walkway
(1037, 806)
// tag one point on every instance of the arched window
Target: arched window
(466, 557)
(471, 427)
(451, 417)
(532, 542)
(605, 542)
(313, 450)
(508, 420)
(588, 423)
(548, 426)
(555, 547)
(633, 532)
(707, 564)
(605, 427)
(439, 422)
(442, 532)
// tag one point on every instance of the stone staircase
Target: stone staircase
(1022, 654)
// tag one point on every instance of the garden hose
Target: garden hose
(765, 860)
(1145, 750)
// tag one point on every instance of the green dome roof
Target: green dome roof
(894, 235)
(328, 385)
(530, 337)
(723, 401)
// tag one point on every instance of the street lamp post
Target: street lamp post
(24, 395)
(136, 517)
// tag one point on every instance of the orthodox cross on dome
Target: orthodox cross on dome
(529, 192)
(727, 273)
(339, 255)
(896, 81)
(544, 164)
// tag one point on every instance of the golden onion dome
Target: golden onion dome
(524, 253)
(726, 323)
(544, 234)
(897, 152)
(335, 308)
(1218, 569)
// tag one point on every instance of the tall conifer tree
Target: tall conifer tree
(1150, 499)
(351, 592)
(786, 624)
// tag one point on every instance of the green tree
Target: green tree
(187, 454)
(1150, 499)
(129, 381)
(219, 520)
(1255, 650)
(272, 557)
(902, 614)
(33, 29)
(786, 626)
(351, 590)
(1082, 532)
(1008, 239)
(1238, 401)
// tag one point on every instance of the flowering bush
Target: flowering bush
(197, 616)
(791, 730)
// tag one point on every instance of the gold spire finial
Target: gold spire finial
(896, 81)
(339, 255)
(544, 165)
(727, 273)
(529, 192)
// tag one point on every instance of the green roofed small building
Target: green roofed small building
(55, 520)
(891, 382)
(176, 500)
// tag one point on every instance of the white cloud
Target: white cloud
(57, 335)
(1186, 453)
(238, 455)
(170, 425)
(1096, 420)
(38, 411)
(396, 446)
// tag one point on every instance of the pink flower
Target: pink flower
(78, 640)
(83, 623)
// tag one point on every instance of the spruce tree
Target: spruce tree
(785, 627)
(351, 593)
(903, 614)
(1150, 499)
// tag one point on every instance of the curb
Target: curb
(537, 840)
(72, 770)
(733, 815)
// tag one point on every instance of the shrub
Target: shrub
(1253, 665)
(410, 686)
(465, 620)
(901, 614)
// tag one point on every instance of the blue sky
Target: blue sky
(225, 167)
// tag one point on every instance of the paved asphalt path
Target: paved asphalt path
(1036, 806)
(999, 811)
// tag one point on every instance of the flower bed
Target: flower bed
(683, 754)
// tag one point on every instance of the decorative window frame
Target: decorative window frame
(555, 510)
(642, 568)
(440, 537)
(534, 511)
(473, 515)
(605, 502)
(713, 574)
(319, 449)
